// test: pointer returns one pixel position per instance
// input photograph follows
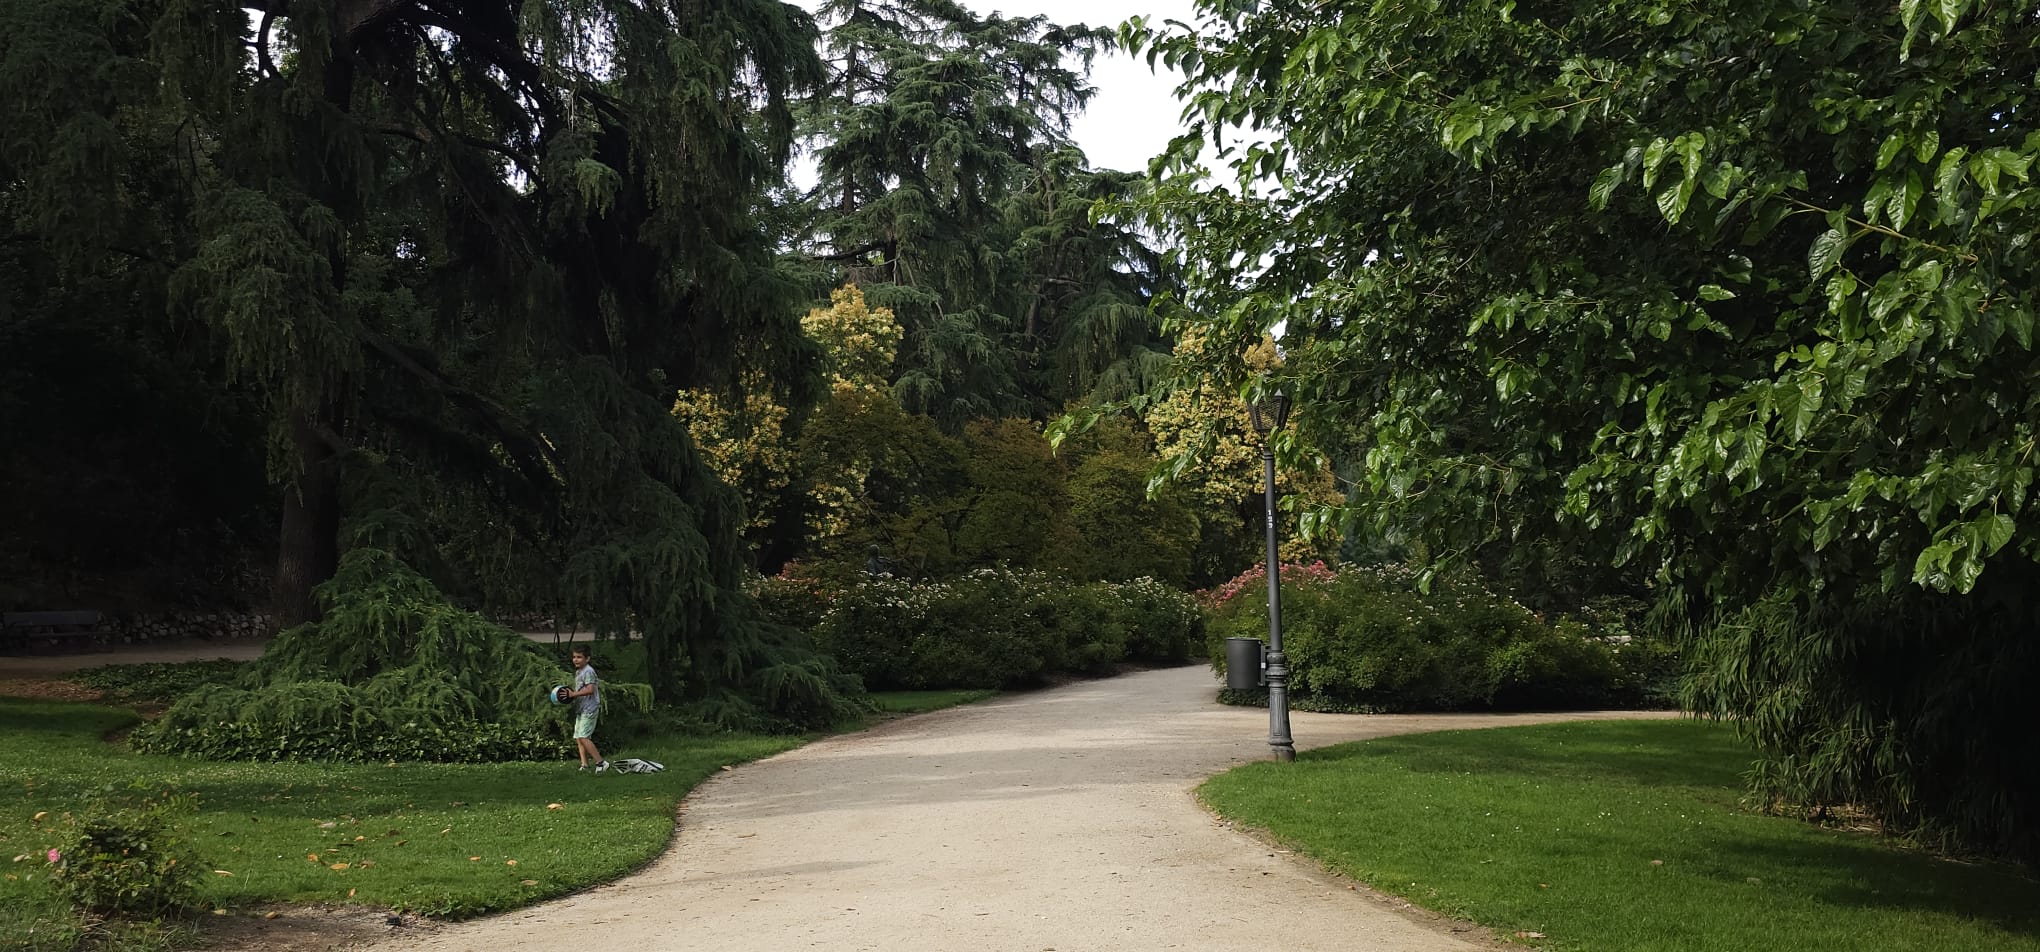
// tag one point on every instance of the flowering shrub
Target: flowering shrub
(991, 628)
(1255, 580)
(1163, 625)
(1365, 638)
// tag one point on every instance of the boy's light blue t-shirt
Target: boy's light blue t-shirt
(583, 678)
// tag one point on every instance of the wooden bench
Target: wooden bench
(20, 630)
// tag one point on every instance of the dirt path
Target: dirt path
(1057, 820)
(192, 649)
(56, 665)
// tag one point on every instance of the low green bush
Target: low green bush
(1369, 639)
(128, 860)
(393, 671)
(989, 629)
(371, 740)
(1082, 626)
(157, 681)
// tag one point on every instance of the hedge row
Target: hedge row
(989, 629)
(1371, 639)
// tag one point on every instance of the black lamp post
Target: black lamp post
(1268, 414)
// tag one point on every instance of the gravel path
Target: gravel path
(1053, 820)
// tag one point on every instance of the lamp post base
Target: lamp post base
(1280, 742)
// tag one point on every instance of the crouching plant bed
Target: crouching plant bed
(393, 672)
(1368, 639)
(988, 629)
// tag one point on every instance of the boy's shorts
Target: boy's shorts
(584, 725)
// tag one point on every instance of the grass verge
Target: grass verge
(1617, 837)
(448, 840)
(921, 702)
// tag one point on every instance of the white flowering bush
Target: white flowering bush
(1163, 625)
(1368, 639)
(989, 628)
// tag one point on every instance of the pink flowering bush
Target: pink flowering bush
(1254, 582)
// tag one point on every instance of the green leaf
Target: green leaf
(1672, 199)
(1715, 292)
(1825, 253)
(1906, 198)
(1931, 568)
(1719, 180)
(1654, 159)
(1889, 150)
(1997, 530)
(1604, 186)
(1926, 146)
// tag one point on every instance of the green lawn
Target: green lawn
(449, 840)
(437, 839)
(1618, 837)
(919, 702)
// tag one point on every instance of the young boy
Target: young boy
(589, 694)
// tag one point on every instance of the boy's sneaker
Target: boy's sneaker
(602, 766)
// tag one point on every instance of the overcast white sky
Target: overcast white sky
(1133, 116)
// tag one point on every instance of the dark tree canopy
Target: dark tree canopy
(460, 253)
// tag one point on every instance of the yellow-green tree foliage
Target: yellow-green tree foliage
(861, 343)
(1205, 443)
(745, 440)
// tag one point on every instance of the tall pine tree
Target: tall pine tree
(470, 245)
(950, 191)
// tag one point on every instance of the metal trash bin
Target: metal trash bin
(1244, 659)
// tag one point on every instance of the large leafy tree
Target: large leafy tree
(464, 252)
(1735, 300)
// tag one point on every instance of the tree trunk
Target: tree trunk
(308, 552)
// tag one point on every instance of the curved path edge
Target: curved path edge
(1056, 820)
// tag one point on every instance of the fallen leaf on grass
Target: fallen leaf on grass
(350, 894)
(337, 866)
(219, 912)
(474, 859)
(39, 814)
(269, 915)
(554, 806)
(1657, 862)
(446, 831)
(531, 882)
(314, 857)
(1529, 935)
(509, 862)
(221, 872)
(360, 838)
(329, 824)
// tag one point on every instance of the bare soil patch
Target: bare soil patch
(303, 928)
